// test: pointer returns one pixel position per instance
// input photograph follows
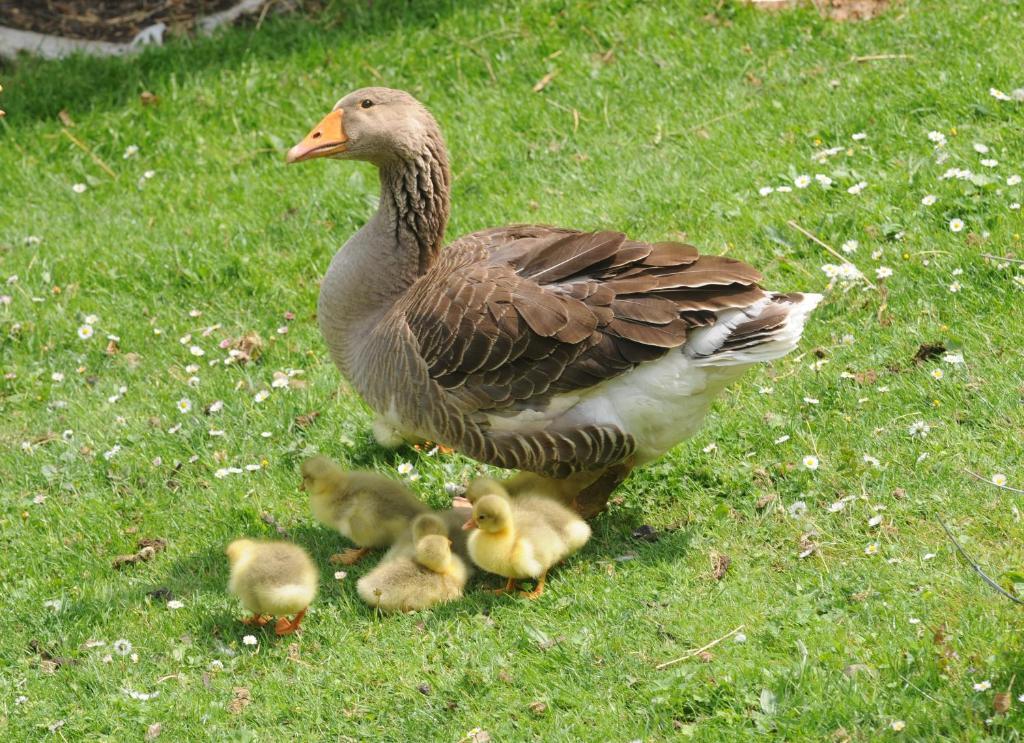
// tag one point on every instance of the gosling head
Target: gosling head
(434, 552)
(239, 549)
(482, 486)
(320, 474)
(427, 524)
(491, 513)
(378, 125)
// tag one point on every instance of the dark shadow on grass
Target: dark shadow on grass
(39, 89)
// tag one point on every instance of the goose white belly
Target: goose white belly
(660, 403)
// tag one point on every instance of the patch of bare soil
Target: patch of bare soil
(107, 20)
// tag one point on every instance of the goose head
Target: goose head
(378, 125)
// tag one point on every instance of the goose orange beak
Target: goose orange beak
(471, 524)
(327, 138)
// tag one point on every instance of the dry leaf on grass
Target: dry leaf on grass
(928, 351)
(538, 707)
(153, 731)
(240, 701)
(247, 348)
(544, 81)
(148, 549)
(719, 565)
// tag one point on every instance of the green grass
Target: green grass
(677, 129)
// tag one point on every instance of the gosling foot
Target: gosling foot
(286, 626)
(257, 620)
(537, 591)
(350, 556)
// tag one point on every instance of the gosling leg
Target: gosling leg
(509, 587)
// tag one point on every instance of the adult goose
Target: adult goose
(572, 355)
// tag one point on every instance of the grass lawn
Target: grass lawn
(856, 613)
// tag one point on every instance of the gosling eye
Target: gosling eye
(365, 103)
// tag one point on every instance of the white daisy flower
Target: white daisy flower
(710, 448)
(998, 94)
(811, 400)
(250, 640)
(54, 604)
(919, 429)
(783, 189)
(130, 151)
(765, 390)
(956, 224)
(340, 575)
(953, 358)
(875, 520)
(405, 468)
(782, 439)
(868, 459)
(765, 190)
(999, 479)
(850, 246)
(810, 462)
(898, 725)
(85, 332)
(983, 686)
(823, 180)
(980, 148)
(122, 647)
(859, 136)
(883, 272)
(79, 188)
(261, 395)
(57, 377)
(857, 188)
(848, 339)
(937, 137)
(112, 452)
(802, 181)
(1015, 206)
(184, 405)
(797, 509)
(990, 163)
(938, 374)
(929, 199)
(955, 287)
(196, 351)
(1013, 180)
(216, 406)
(871, 549)
(174, 604)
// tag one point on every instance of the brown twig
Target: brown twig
(814, 238)
(997, 258)
(879, 57)
(977, 569)
(87, 150)
(709, 122)
(993, 484)
(698, 651)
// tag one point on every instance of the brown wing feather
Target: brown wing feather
(509, 316)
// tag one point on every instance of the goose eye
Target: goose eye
(366, 103)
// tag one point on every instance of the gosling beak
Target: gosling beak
(327, 138)
(471, 524)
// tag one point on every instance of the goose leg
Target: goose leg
(593, 499)
(538, 590)
(350, 556)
